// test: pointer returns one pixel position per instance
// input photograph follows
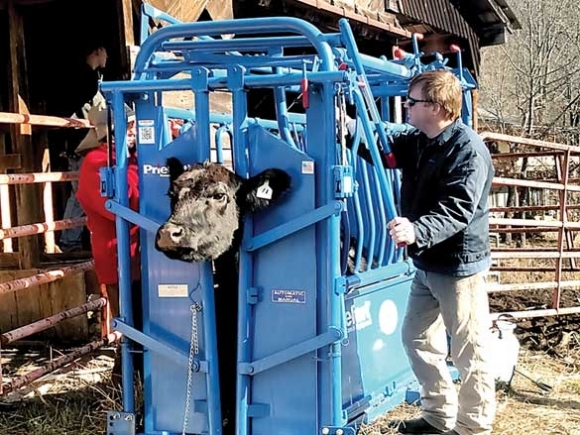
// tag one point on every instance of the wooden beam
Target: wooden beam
(41, 120)
(9, 161)
(183, 10)
(126, 34)
(26, 195)
(220, 9)
(9, 261)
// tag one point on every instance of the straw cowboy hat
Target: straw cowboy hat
(97, 117)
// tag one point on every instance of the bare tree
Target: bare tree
(535, 77)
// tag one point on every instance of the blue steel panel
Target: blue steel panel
(288, 267)
(375, 368)
(170, 287)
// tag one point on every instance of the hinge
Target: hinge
(253, 296)
(120, 423)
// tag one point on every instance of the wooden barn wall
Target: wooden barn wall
(25, 306)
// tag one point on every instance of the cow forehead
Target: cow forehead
(208, 175)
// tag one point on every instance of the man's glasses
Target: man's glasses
(410, 101)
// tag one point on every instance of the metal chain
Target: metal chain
(193, 350)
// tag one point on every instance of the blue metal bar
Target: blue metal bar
(238, 27)
(385, 67)
(199, 85)
(298, 119)
(214, 414)
(149, 11)
(129, 215)
(241, 44)
(377, 161)
(382, 218)
(377, 275)
(154, 345)
(293, 352)
(224, 60)
(245, 309)
(281, 231)
(370, 213)
(282, 113)
(379, 286)
(272, 80)
(123, 249)
(356, 199)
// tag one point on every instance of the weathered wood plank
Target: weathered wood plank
(9, 161)
(26, 196)
(220, 9)
(28, 305)
(41, 120)
(183, 10)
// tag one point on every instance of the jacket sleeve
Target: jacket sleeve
(460, 191)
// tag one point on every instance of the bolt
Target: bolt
(116, 416)
(339, 431)
(325, 431)
(128, 417)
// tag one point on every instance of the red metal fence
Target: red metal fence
(47, 228)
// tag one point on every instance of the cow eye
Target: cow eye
(219, 196)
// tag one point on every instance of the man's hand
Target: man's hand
(175, 127)
(402, 231)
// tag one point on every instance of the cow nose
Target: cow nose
(169, 235)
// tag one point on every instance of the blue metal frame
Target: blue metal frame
(346, 194)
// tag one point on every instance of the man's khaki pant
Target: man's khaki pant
(459, 305)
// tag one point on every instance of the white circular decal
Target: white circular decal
(388, 317)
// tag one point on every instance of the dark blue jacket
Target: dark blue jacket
(444, 193)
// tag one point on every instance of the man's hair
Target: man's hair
(441, 87)
(87, 47)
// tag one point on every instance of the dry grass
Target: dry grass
(77, 402)
(74, 400)
(524, 409)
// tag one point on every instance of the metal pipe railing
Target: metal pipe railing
(49, 322)
(43, 227)
(44, 277)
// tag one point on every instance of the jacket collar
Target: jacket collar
(446, 134)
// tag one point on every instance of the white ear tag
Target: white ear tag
(265, 191)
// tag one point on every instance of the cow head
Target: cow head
(208, 202)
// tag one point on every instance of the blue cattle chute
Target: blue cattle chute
(294, 342)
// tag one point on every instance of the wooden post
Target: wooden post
(7, 161)
(126, 34)
(21, 137)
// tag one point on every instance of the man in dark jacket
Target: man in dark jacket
(447, 173)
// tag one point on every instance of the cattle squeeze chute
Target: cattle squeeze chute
(296, 329)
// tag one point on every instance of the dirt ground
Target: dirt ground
(76, 399)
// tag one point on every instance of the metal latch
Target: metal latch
(107, 182)
(344, 183)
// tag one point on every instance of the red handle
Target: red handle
(304, 87)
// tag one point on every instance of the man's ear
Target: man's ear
(259, 191)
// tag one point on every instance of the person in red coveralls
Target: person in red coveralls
(101, 222)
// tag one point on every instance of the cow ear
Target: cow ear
(257, 192)
(175, 168)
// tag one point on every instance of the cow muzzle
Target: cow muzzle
(169, 236)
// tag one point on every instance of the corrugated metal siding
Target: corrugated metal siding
(442, 15)
(439, 13)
